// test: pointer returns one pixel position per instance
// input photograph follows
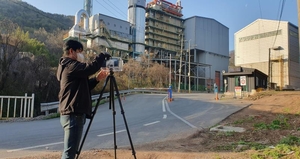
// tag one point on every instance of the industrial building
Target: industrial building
(195, 48)
(208, 43)
(271, 47)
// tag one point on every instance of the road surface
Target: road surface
(149, 117)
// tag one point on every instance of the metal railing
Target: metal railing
(46, 107)
(21, 106)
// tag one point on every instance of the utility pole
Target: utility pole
(190, 66)
(180, 63)
(170, 71)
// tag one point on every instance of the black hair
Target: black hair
(72, 44)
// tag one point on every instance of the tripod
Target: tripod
(113, 86)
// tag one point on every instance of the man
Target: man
(216, 91)
(75, 93)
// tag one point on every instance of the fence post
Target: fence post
(32, 105)
(25, 105)
(1, 108)
(8, 103)
(29, 106)
(21, 109)
(15, 107)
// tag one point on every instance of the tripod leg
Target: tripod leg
(92, 117)
(113, 81)
(112, 105)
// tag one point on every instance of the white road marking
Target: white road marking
(151, 123)
(32, 147)
(163, 105)
(165, 116)
(191, 125)
(111, 133)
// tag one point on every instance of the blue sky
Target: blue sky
(234, 14)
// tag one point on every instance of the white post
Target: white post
(8, 103)
(28, 110)
(25, 105)
(21, 109)
(32, 105)
(15, 105)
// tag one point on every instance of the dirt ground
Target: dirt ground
(270, 109)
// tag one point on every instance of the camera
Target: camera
(114, 63)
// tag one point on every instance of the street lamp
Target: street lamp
(269, 65)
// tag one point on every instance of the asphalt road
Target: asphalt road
(149, 118)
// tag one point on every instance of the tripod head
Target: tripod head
(111, 71)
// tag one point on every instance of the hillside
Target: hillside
(30, 18)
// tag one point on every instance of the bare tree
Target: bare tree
(158, 73)
(10, 45)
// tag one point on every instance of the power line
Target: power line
(106, 8)
(260, 9)
(281, 11)
(116, 8)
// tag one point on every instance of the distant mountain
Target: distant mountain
(30, 18)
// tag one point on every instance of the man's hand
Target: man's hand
(101, 75)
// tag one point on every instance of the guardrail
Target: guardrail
(46, 107)
(21, 106)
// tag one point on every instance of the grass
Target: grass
(280, 123)
(280, 151)
(249, 119)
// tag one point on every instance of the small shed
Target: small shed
(246, 78)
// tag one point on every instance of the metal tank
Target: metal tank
(136, 17)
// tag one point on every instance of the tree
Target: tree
(10, 45)
(158, 75)
(25, 65)
(53, 42)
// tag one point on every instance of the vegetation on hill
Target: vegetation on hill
(30, 18)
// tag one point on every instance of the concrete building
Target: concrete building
(273, 48)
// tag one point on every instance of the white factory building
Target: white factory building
(271, 47)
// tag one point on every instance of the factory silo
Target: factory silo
(136, 17)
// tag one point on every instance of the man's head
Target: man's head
(73, 49)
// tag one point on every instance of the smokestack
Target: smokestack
(136, 17)
(88, 6)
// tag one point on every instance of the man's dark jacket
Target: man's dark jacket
(75, 85)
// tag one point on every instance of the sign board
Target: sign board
(238, 91)
(243, 80)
